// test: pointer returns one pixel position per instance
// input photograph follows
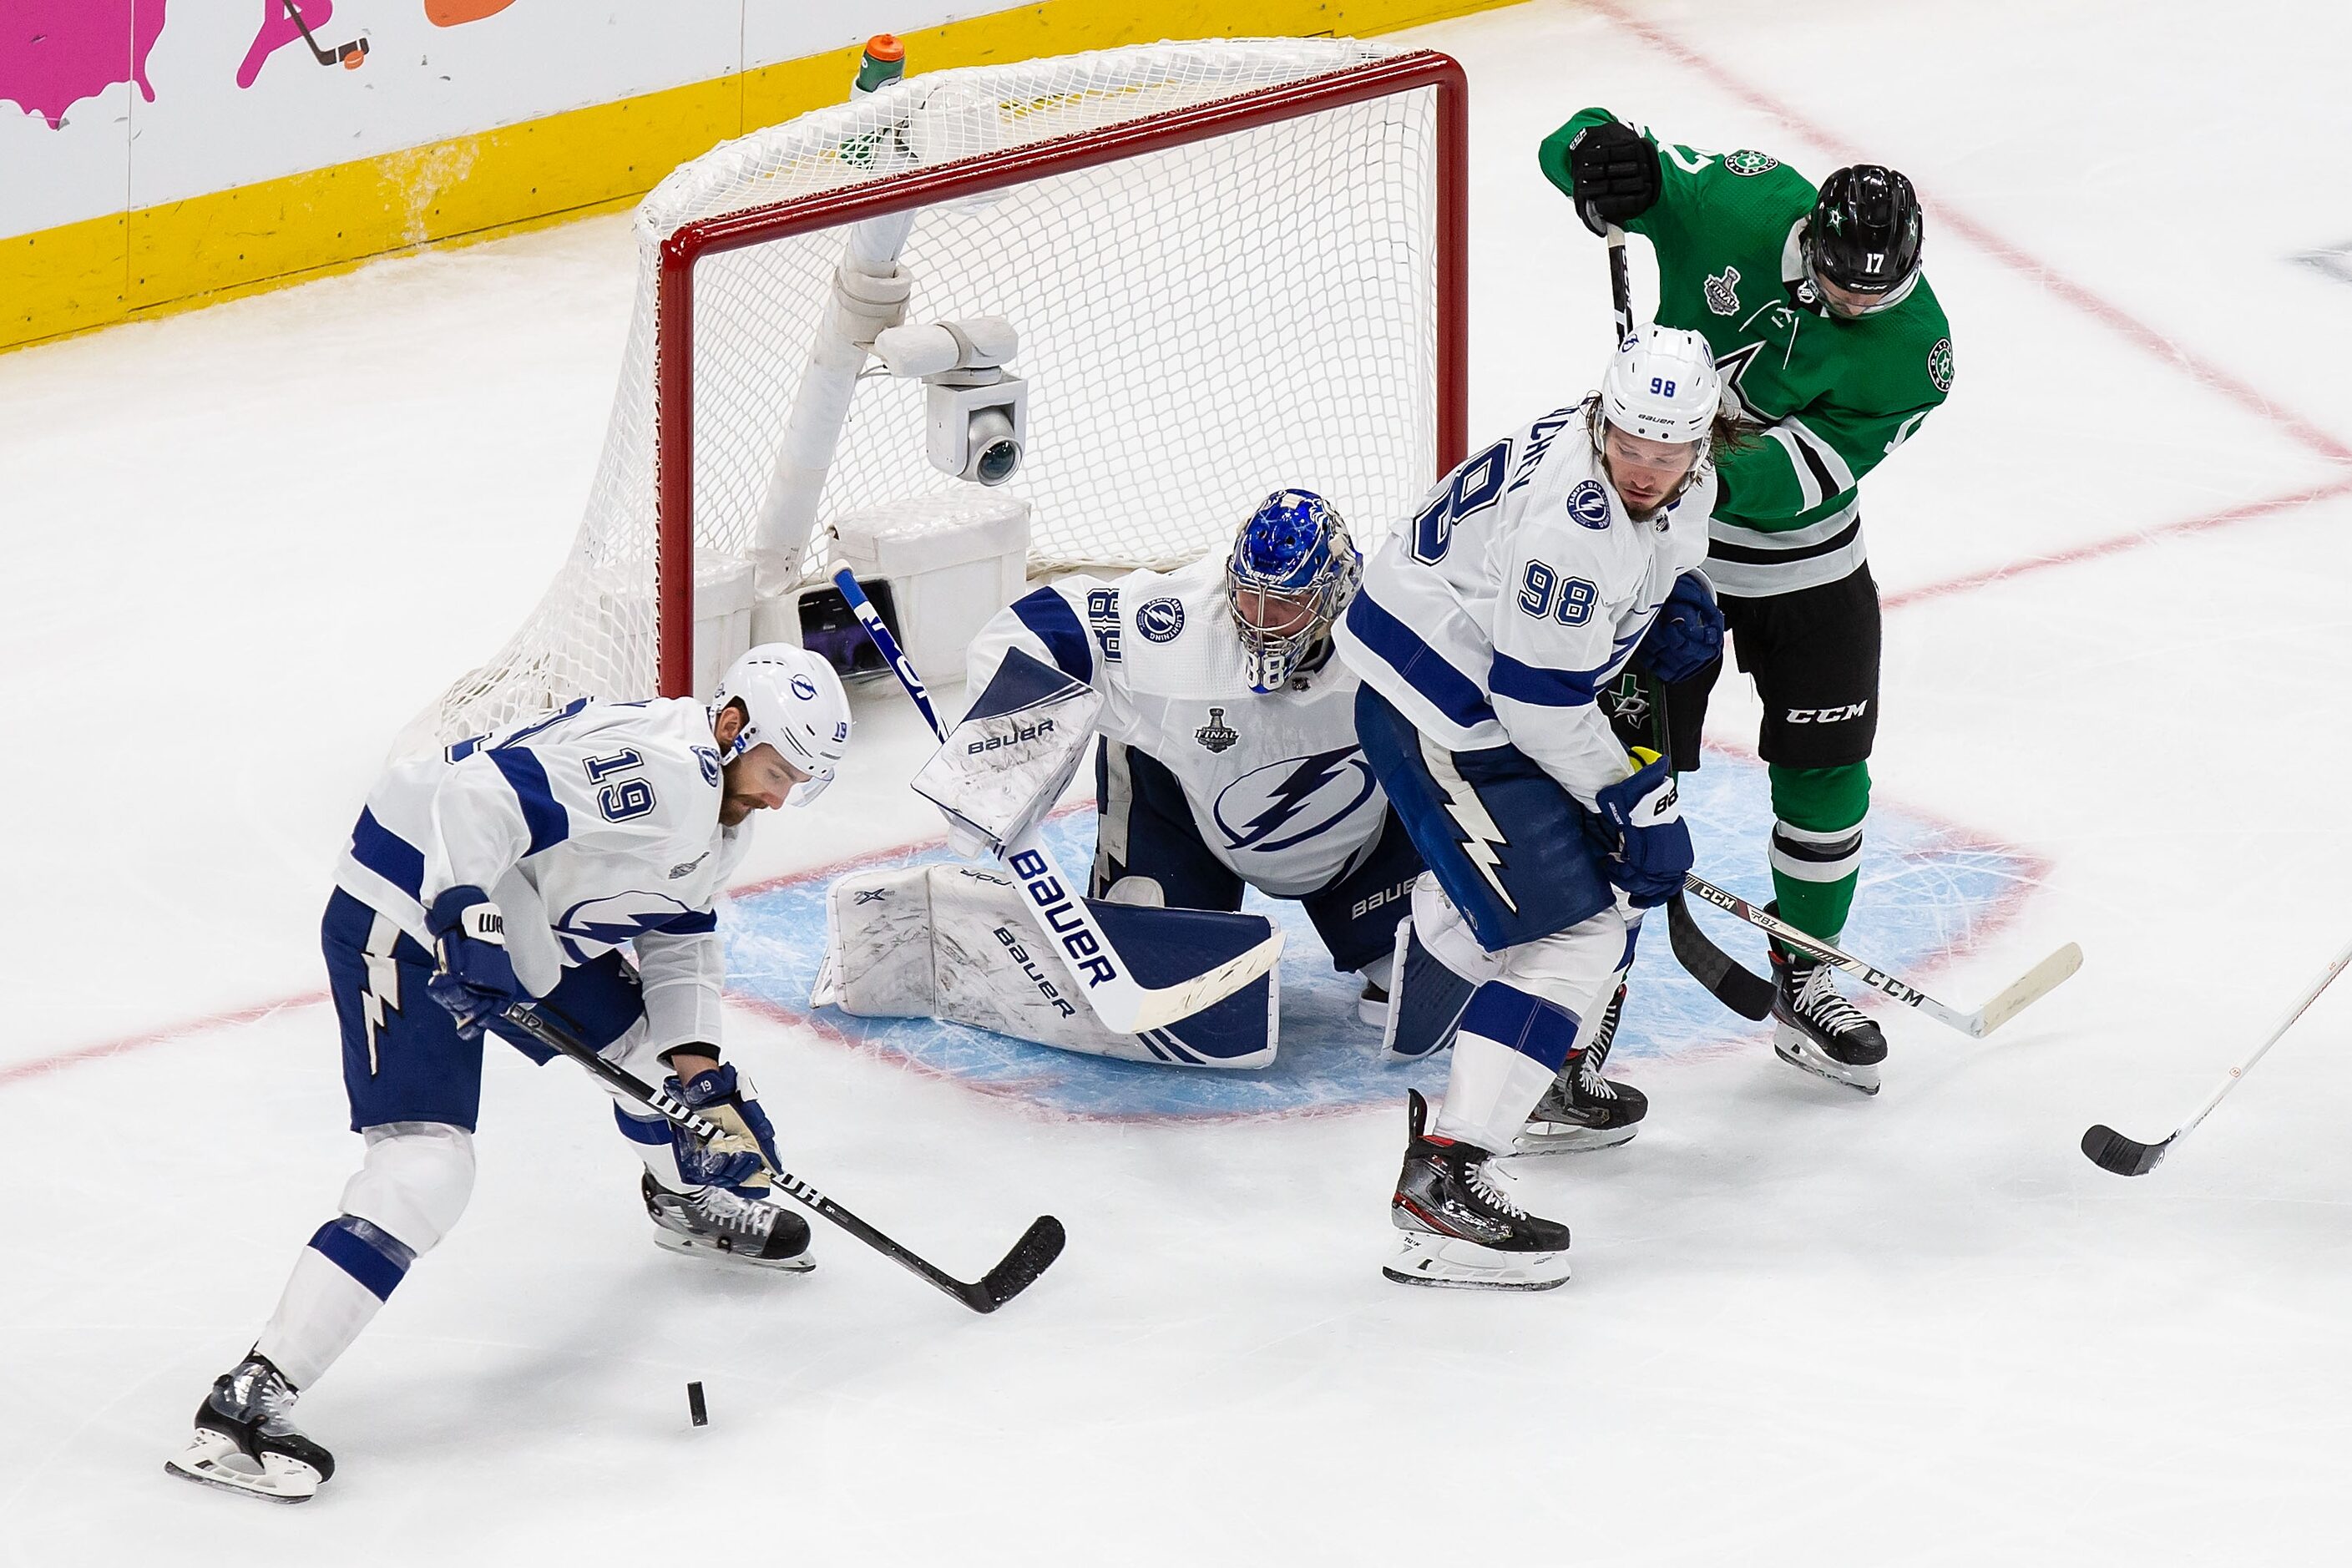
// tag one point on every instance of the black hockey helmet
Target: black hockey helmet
(1865, 232)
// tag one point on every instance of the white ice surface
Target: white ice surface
(245, 546)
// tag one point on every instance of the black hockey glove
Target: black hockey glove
(1615, 173)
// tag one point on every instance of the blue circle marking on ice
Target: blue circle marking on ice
(1589, 504)
(1926, 888)
(1160, 620)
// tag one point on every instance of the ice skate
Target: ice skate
(1582, 1110)
(1462, 1230)
(1819, 1031)
(244, 1441)
(711, 1221)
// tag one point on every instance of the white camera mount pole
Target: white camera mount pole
(869, 296)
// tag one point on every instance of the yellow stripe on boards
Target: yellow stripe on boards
(230, 244)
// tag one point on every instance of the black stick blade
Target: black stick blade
(1745, 993)
(1031, 1256)
(2111, 1151)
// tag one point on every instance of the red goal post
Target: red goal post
(1261, 283)
(925, 187)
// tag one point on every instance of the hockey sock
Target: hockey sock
(1508, 1049)
(1816, 853)
(404, 1199)
(651, 1137)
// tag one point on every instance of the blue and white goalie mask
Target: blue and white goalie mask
(1291, 574)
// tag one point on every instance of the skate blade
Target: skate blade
(1449, 1263)
(216, 1461)
(695, 1247)
(1861, 1079)
(1557, 1138)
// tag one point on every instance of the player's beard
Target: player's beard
(734, 810)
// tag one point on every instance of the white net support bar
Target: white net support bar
(1199, 324)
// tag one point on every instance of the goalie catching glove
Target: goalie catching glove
(999, 771)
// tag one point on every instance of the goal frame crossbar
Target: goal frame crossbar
(922, 187)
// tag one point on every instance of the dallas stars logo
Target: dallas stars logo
(1939, 365)
(1722, 290)
(1216, 734)
(1748, 163)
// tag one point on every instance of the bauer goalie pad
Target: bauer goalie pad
(999, 771)
(953, 942)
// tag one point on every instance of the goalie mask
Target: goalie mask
(794, 702)
(1291, 574)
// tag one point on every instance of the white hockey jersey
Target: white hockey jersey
(1280, 792)
(589, 827)
(1516, 592)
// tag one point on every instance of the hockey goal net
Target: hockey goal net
(1233, 267)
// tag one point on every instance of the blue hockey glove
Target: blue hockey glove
(1687, 636)
(745, 1138)
(1652, 844)
(476, 980)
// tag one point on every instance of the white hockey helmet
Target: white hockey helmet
(1661, 385)
(792, 701)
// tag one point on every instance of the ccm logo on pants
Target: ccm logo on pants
(1828, 715)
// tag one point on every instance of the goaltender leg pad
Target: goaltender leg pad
(1424, 1003)
(1504, 840)
(953, 942)
(1000, 770)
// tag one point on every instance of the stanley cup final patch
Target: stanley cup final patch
(1217, 735)
(1722, 290)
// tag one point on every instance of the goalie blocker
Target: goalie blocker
(953, 942)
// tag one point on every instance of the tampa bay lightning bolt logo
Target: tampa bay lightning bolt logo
(612, 920)
(1160, 620)
(709, 759)
(1290, 802)
(1589, 504)
(804, 688)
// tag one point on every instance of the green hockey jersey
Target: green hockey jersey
(1833, 395)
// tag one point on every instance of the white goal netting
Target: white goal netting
(1199, 325)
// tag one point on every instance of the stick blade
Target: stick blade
(1741, 990)
(2034, 985)
(2111, 1151)
(1031, 1256)
(1156, 1008)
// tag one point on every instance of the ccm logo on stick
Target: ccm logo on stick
(1828, 715)
(1045, 891)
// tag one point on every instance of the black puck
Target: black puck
(695, 1406)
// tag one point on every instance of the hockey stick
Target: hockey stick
(1620, 285)
(1030, 1256)
(1735, 985)
(2027, 989)
(2111, 1151)
(341, 52)
(1125, 1005)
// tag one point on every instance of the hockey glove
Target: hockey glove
(746, 1137)
(1651, 846)
(1616, 172)
(1687, 636)
(476, 980)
